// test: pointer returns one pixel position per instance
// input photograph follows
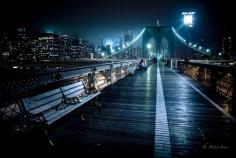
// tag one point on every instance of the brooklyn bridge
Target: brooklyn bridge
(176, 107)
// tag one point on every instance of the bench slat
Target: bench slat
(77, 84)
(89, 97)
(72, 90)
(75, 94)
(32, 104)
(59, 114)
(44, 103)
(46, 94)
(46, 107)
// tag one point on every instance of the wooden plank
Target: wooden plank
(33, 102)
(47, 106)
(67, 87)
(196, 127)
(61, 113)
(73, 90)
(124, 124)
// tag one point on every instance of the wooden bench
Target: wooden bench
(50, 106)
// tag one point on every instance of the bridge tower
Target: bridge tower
(158, 41)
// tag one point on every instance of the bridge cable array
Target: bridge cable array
(128, 44)
(191, 45)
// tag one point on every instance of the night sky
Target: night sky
(107, 19)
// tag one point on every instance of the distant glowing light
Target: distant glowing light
(103, 54)
(188, 18)
(159, 57)
(131, 43)
(49, 31)
(220, 54)
(149, 46)
(190, 45)
(112, 50)
(207, 50)
(15, 67)
(109, 42)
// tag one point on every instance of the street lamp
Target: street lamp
(188, 18)
(188, 21)
(149, 46)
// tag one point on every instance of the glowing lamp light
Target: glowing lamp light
(188, 18)
(15, 67)
(49, 30)
(207, 50)
(112, 50)
(103, 54)
(149, 46)
(109, 42)
(159, 57)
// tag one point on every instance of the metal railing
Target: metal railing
(96, 77)
(220, 78)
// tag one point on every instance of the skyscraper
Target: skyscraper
(227, 46)
(48, 47)
(5, 50)
(22, 45)
(128, 37)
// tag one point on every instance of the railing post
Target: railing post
(110, 73)
(118, 73)
(234, 89)
(213, 79)
(92, 80)
(201, 74)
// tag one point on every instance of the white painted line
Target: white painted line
(207, 98)
(162, 135)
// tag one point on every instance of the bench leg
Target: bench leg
(50, 142)
(82, 117)
(96, 103)
(48, 138)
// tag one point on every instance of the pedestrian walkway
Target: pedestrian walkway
(154, 113)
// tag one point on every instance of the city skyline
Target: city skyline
(102, 19)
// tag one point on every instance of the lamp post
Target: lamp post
(149, 46)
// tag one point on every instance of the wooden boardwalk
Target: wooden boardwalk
(124, 125)
(137, 118)
(197, 128)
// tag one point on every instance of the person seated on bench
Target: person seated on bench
(142, 65)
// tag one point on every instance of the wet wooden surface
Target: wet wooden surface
(124, 125)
